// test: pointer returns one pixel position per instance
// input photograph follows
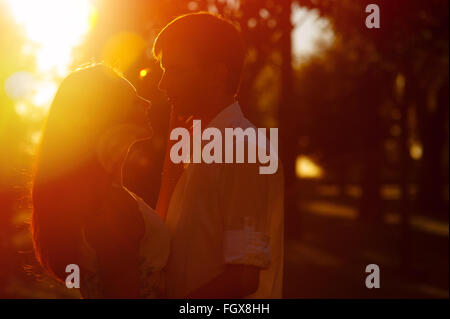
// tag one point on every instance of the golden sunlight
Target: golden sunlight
(54, 28)
(416, 151)
(143, 73)
(306, 168)
(311, 33)
(123, 49)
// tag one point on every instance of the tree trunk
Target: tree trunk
(405, 169)
(372, 155)
(430, 197)
(287, 112)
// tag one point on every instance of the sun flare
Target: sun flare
(53, 28)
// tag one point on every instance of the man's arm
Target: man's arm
(237, 281)
(244, 197)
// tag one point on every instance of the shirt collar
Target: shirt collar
(227, 116)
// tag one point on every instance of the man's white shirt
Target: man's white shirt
(226, 214)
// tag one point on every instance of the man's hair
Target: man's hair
(212, 38)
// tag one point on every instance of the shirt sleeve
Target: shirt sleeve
(246, 212)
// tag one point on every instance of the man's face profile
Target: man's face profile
(186, 82)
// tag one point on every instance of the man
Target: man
(226, 220)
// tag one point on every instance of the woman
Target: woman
(81, 212)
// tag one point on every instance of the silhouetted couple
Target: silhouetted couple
(217, 231)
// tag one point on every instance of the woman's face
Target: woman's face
(138, 111)
(132, 125)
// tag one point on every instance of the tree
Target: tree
(404, 70)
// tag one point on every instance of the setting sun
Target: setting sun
(54, 28)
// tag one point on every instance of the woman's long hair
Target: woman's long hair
(69, 180)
